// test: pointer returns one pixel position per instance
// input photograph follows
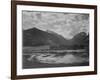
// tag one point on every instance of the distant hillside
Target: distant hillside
(37, 37)
(80, 39)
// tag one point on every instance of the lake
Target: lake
(55, 58)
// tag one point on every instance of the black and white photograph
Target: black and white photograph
(55, 39)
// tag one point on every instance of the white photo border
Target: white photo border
(35, 71)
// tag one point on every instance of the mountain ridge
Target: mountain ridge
(37, 37)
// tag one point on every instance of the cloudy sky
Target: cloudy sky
(65, 24)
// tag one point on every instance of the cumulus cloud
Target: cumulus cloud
(65, 24)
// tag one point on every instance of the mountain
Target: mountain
(36, 37)
(80, 39)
